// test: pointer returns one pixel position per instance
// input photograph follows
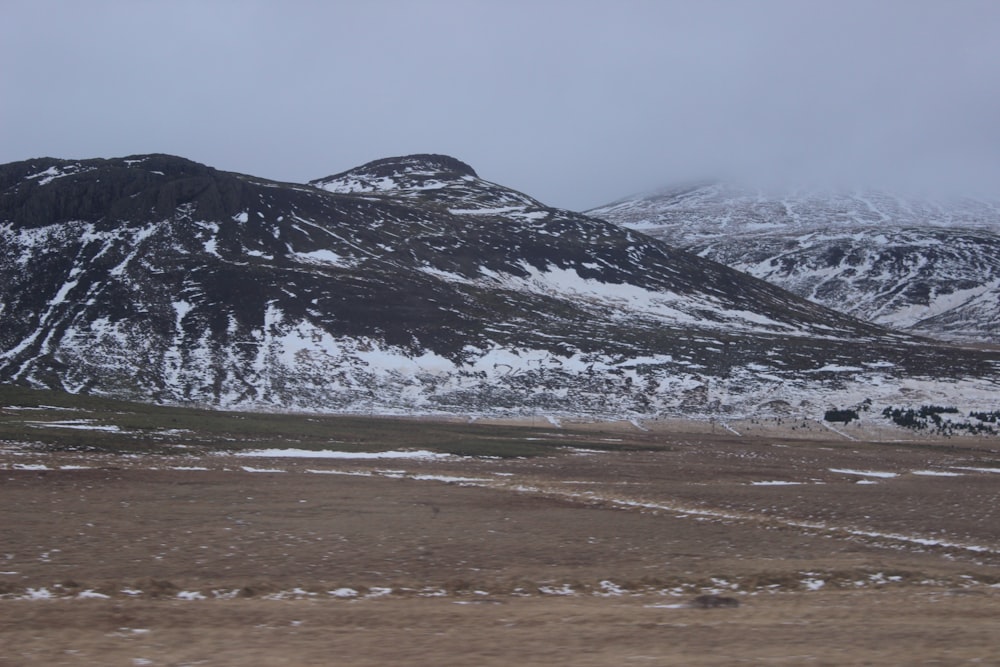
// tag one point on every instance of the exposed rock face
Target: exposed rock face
(407, 284)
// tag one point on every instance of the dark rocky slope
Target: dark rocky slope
(408, 284)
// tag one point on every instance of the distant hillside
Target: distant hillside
(409, 285)
(929, 267)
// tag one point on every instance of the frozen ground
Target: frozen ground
(371, 554)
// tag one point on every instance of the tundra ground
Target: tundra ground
(839, 551)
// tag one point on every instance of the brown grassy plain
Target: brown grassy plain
(841, 552)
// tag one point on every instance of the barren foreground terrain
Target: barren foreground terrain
(840, 551)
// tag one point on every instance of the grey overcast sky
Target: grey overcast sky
(575, 102)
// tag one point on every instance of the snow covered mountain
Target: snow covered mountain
(408, 285)
(929, 267)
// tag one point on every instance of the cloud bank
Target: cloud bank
(576, 103)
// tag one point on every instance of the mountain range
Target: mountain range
(927, 266)
(411, 285)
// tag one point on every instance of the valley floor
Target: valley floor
(839, 551)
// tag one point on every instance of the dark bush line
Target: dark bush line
(846, 416)
(928, 417)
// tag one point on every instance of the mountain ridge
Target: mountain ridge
(406, 285)
(925, 266)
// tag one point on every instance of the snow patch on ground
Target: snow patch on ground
(865, 473)
(419, 454)
(92, 595)
(77, 424)
(449, 479)
(343, 593)
(191, 595)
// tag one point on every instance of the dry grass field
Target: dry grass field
(878, 550)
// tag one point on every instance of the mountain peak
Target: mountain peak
(924, 265)
(418, 171)
(430, 162)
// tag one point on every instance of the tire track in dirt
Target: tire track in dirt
(870, 537)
